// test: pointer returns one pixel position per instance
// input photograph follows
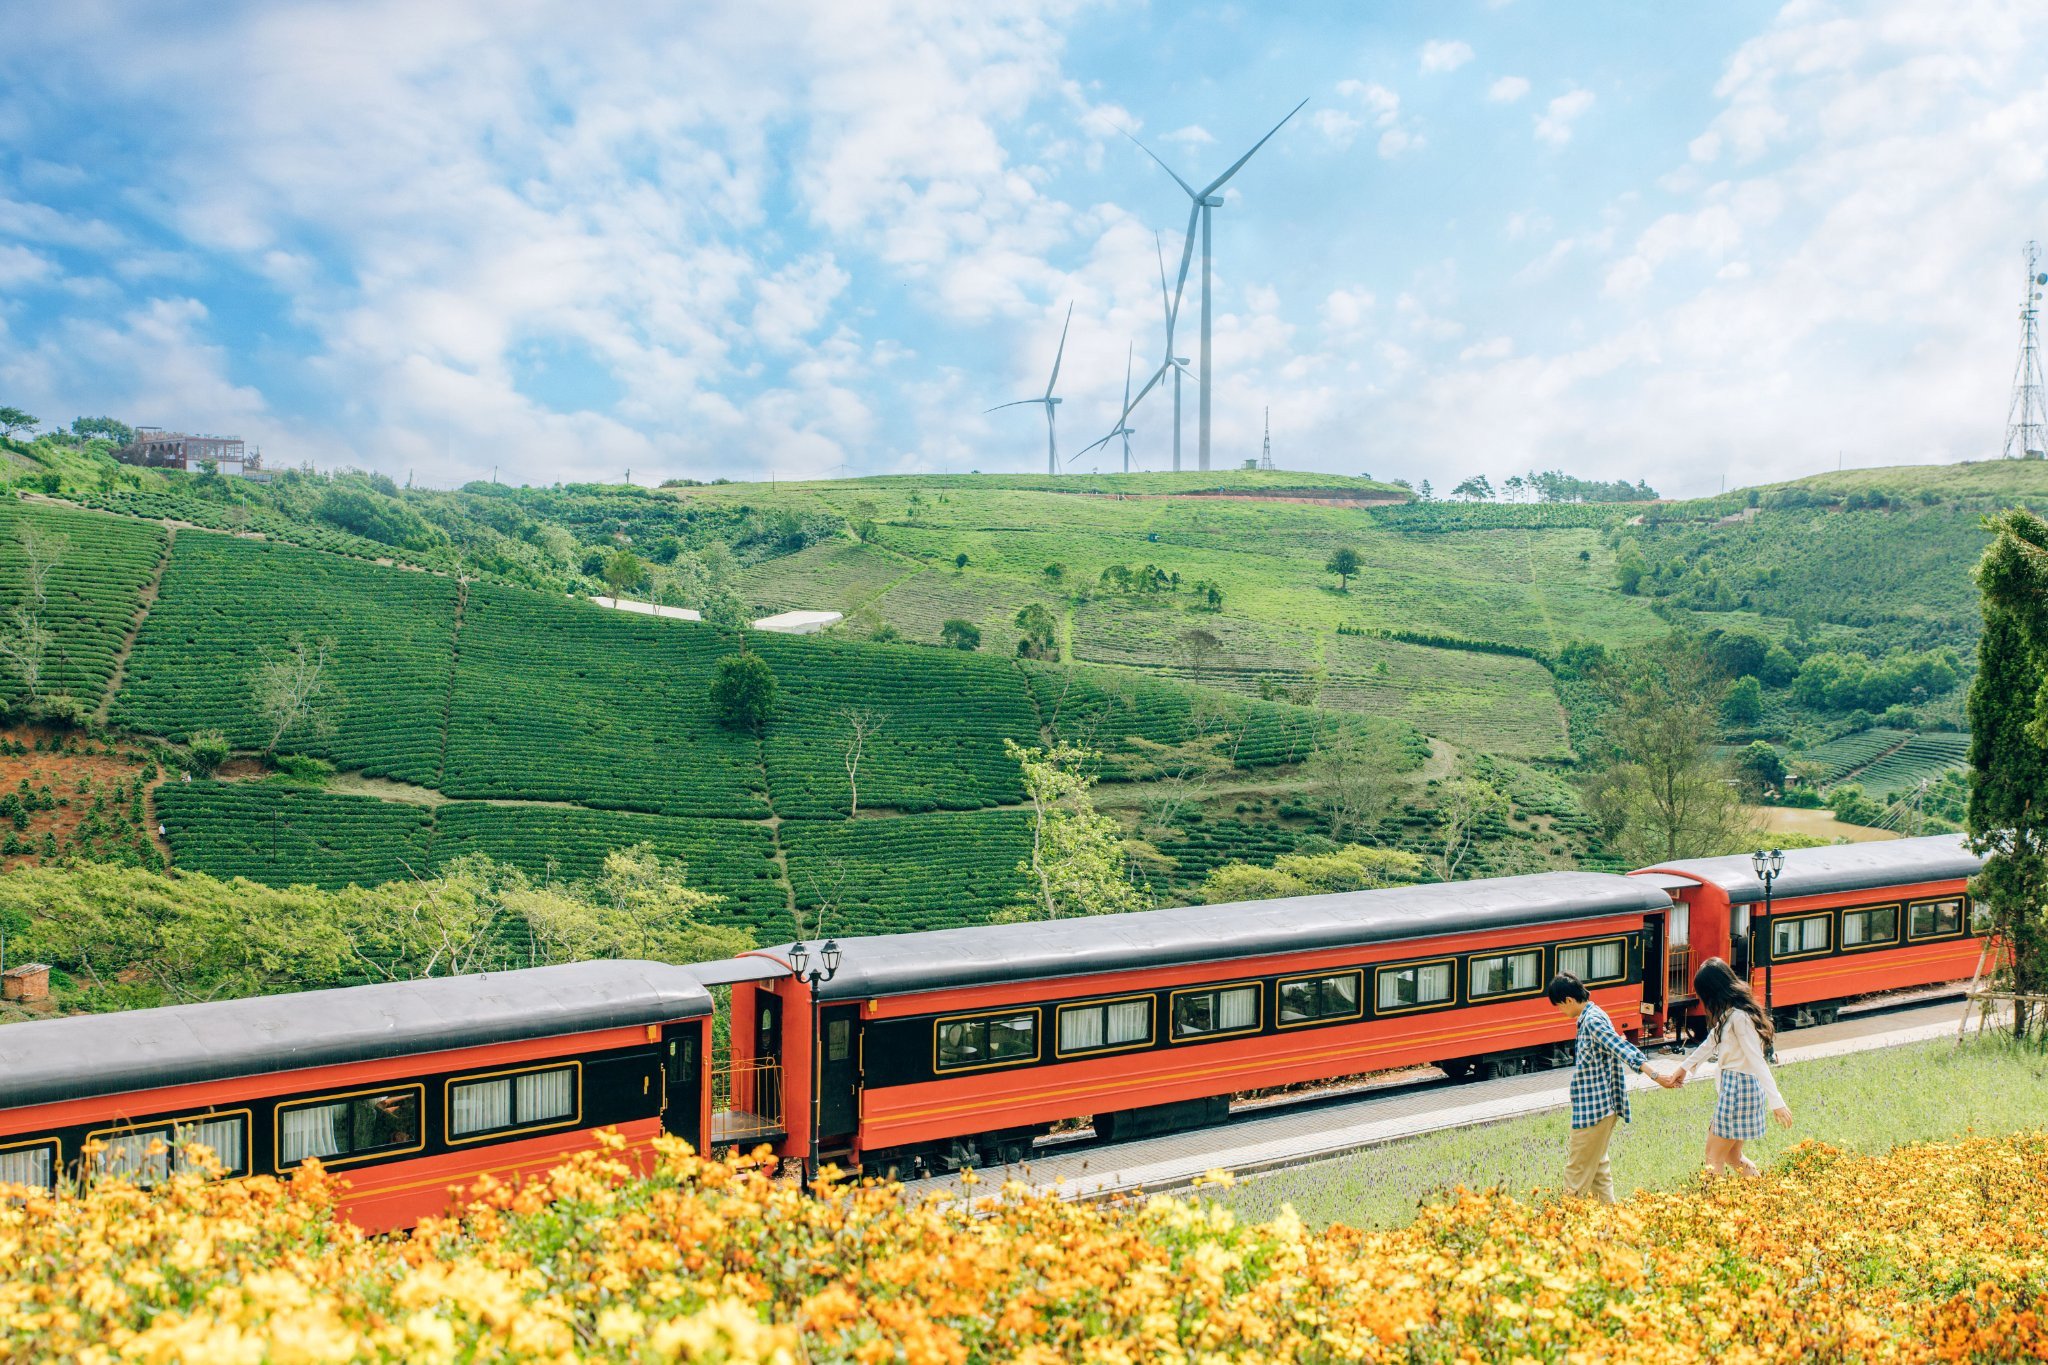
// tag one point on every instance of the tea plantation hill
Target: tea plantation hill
(480, 716)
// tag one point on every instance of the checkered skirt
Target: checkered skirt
(1738, 1107)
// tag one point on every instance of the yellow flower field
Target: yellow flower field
(1935, 1252)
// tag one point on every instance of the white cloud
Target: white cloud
(1379, 107)
(1336, 125)
(1194, 135)
(1507, 89)
(1554, 124)
(1345, 311)
(1445, 54)
(1395, 141)
(1493, 348)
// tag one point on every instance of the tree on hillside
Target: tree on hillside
(104, 428)
(1761, 768)
(41, 552)
(1462, 806)
(1344, 564)
(2007, 816)
(1054, 573)
(1041, 632)
(1354, 777)
(1659, 793)
(862, 723)
(1354, 867)
(13, 420)
(1079, 857)
(623, 571)
(24, 642)
(1198, 650)
(743, 692)
(960, 560)
(292, 691)
(1478, 488)
(959, 634)
(1744, 704)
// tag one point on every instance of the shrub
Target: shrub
(743, 692)
(207, 750)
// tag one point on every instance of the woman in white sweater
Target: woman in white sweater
(1738, 1040)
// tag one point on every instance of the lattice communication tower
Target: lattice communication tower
(2026, 421)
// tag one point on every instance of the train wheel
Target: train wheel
(1461, 1071)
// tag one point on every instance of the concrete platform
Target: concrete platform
(1291, 1134)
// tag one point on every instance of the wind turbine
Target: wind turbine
(1123, 426)
(1052, 450)
(1204, 201)
(1178, 364)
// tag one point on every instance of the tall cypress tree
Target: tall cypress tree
(2008, 813)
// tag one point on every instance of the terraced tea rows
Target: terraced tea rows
(99, 566)
(285, 837)
(734, 858)
(557, 700)
(227, 604)
(1839, 757)
(894, 875)
(940, 746)
(1922, 758)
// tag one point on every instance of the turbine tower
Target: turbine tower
(1052, 450)
(1123, 426)
(2026, 421)
(1177, 364)
(1204, 201)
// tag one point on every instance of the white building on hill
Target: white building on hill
(649, 608)
(799, 622)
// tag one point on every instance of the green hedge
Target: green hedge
(92, 593)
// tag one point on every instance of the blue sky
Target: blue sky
(1685, 243)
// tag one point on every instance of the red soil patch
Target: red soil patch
(58, 776)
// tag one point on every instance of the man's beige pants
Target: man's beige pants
(1585, 1170)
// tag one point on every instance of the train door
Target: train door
(683, 1082)
(1741, 942)
(838, 1075)
(1653, 962)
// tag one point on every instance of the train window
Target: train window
(1866, 928)
(139, 1155)
(1110, 1024)
(1213, 1013)
(1505, 974)
(1591, 962)
(33, 1164)
(489, 1105)
(1416, 985)
(987, 1040)
(1800, 937)
(838, 1039)
(361, 1124)
(225, 1135)
(1936, 919)
(1308, 999)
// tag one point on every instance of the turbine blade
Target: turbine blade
(1057, 355)
(1237, 165)
(1187, 258)
(1130, 405)
(1129, 351)
(1168, 169)
(1091, 446)
(1018, 404)
(1165, 299)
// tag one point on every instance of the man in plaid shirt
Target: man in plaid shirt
(1599, 1087)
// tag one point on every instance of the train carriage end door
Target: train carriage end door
(838, 1071)
(1654, 973)
(683, 1067)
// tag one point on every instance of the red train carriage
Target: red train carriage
(1846, 920)
(960, 1045)
(409, 1088)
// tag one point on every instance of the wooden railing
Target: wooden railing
(1678, 971)
(746, 1100)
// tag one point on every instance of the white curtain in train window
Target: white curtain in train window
(129, 1156)
(313, 1131)
(1237, 1008)
(480, 1106)
(29, 1166)
(545, 1095)
(1081, 1028)
(1870, 926)
(1808, 935)
(1130, 1021)
(223, 1136)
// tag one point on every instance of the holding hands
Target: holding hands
(1670, 1080)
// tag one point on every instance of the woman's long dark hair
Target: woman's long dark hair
(1722, 992)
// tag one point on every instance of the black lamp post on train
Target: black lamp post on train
(799, 961)
(1767, 866)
